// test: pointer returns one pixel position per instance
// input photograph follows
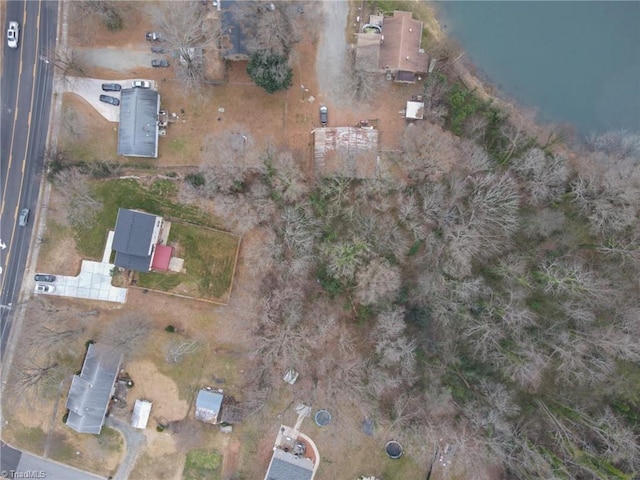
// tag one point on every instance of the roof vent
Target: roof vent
(407, 57)
(410, 30)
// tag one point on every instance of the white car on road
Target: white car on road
(13, 34)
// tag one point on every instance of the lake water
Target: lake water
(575, 62)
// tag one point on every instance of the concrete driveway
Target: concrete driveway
(91, 88)
(93, 282)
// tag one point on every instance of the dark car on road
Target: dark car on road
(111, 87)
(111, 100)
(42, 277)
(159, 63)
(324, 115)
(157, 50)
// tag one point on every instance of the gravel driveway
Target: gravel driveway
(118, 59)
(332, 50)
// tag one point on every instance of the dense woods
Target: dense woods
(479, 296)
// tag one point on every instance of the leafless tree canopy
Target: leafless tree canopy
(127, 333)
(269, 25)
(82, 205)
(186, 32)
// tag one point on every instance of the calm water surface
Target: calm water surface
(575, 62)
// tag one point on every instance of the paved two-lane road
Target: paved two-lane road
(17, 464)
(26, 86)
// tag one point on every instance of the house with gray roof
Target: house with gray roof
(135, 238)
(138, 129)
(91, 391)
(208, 405)
(233, 37)
(289, 466)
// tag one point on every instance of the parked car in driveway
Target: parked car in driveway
(141, 84)
(111, 87)
(152, 36)
(159, 63)
(156, 49)
(13, 34)
(45, 277)
(109, 99)
(324, 115)
(24, 217)
(42, 288)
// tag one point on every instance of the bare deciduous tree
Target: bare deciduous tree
(178, 349)
(229, 161)
(287, 178)
(620, 143)
(395, 363)
(127, 333)
(545, 176)
(186, 32)
(377, 282)
(75, 188)
(269, 25)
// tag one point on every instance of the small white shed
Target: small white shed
(140, 415)
(415, 110)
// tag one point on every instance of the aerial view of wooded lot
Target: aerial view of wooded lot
(457, 278)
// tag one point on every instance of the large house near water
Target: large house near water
(393, 46)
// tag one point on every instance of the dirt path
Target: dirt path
(332, 50)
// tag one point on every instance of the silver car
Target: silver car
(13, 34)
(23, 219)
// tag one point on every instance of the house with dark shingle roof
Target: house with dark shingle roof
(91, 391)
(233, 37)
(138, 129)
(135, 239)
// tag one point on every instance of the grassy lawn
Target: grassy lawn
(129, 193)
(202, 464)
(209, 263)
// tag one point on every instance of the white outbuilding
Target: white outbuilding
(140, 415)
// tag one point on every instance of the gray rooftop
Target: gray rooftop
(91, 391)
(287, 466)
(208, 405)
(138, 128)
(234, 43)
(132, 240)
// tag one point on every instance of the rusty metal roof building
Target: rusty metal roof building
(401, 49)
(350, 151)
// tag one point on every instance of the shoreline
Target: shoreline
(486, 91)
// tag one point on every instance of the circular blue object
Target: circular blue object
(322, 418)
